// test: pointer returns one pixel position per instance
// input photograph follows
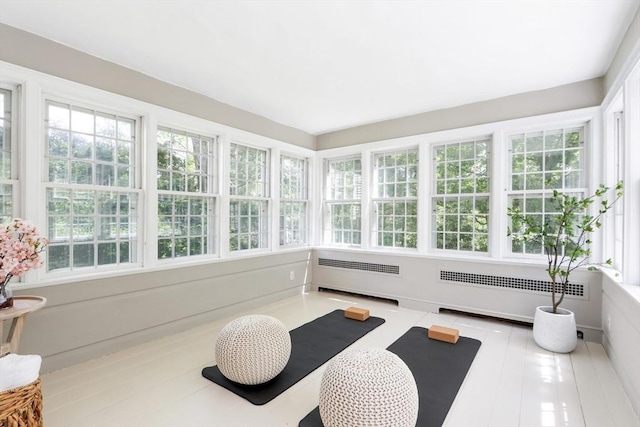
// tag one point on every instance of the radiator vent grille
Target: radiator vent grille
(574, 289)
(355, 265)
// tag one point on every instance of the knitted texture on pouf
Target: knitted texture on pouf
(368, 387)
(253, 349)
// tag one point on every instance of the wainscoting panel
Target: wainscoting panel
(88, 319)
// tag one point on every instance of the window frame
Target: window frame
(263, 202)
(13, 181)
(302, 201)
(133, 190)
(545, 192)
(376, 200)
(328, 202)
(623, 229)
(458, 196)
(210, 197)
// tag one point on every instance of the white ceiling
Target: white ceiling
(326, 65)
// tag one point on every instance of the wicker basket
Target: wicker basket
(22, 406)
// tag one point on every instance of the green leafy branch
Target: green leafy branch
(564, 236)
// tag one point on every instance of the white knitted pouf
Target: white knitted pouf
(253, 349)
(368, 387)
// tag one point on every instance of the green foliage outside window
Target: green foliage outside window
(461, 201)
(396, 198)
(248, 211)
(293, 200)
(343, 189)
(94, 226)
(541, 163)
(6, 189)
(185, 163)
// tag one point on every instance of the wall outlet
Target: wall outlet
(609, 323)
(291, 275)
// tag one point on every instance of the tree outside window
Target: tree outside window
(293, 200)
(248, 206)
(186, 193)
(343, 189)
(92, 213)
(395, 199)
(460, 202)
(542, 162)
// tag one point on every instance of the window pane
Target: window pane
(546, 161)
(6, 188)
(248, 224)
(185, 218)
(89, 228)
(184, 221)
(248, 171)
(6, 203)
(85, 147)
(395, 199)
(249, 219)
(343, 190)
(293, 204)
(460, 220)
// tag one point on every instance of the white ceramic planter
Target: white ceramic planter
(555, 332)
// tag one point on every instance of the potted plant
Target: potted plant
(565, 239)
(20, 249)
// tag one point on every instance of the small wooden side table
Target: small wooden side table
(22, 305)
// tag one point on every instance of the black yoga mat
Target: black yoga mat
(312, 344)
(439, 369)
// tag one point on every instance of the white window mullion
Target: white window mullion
(365, 201)
(425, 189)
(32, 167)
(593, 177)
(224, 188)
(498, 190)
(318, 208)
(150, 184)
(274, 199)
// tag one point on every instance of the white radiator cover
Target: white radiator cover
(504, 290)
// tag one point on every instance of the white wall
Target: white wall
(90, 318)
(621, 324)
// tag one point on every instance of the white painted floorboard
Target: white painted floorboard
(511, 383)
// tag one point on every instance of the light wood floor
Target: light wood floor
(512, 382)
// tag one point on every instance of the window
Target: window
(249, 203)
(618, 208)
(293, 200)
(6, 174)
(342, 201)
(395, 198)
(91, 201)
(540, 163)
(460, 201)
(186, 200)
